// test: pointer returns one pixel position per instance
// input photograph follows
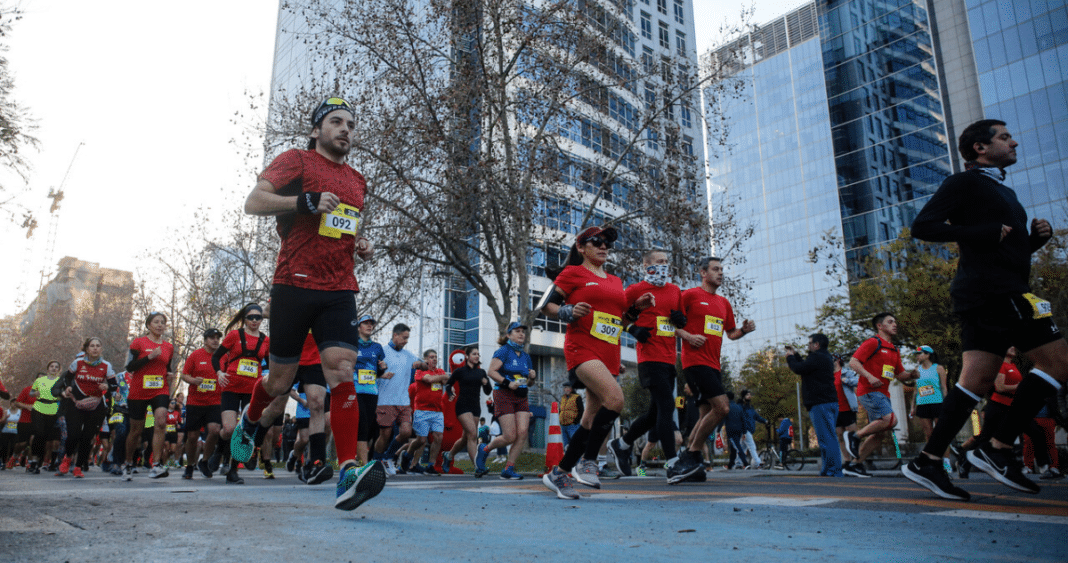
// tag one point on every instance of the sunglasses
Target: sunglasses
(599, 241)
(336, 102)
(253, 317)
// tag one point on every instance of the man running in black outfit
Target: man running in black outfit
(991, 295)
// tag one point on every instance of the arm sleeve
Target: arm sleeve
(487, 387)
(133, 363)
(113, 381)
(216, 358)
(931, 223)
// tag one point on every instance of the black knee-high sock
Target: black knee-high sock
(955, 412)
(575, 448)
(317, 443)
(1028, 400)
(602, 425)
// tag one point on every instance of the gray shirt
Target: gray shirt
(394, 391)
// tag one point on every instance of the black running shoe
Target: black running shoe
(855, 470)
(620, 456)
(291, 462)
(1003, 466)
(188, 472)
(687, 464)
(206, 471)
(232, 478)
(213, 462)
(852, 444)
(930, 473)
(319, 472)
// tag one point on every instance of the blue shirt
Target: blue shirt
(302, 411)
(394, 391)
(367, 357)
(514, 366)
(784, 429)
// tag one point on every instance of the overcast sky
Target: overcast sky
(149, 91)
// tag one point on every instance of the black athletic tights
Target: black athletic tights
(661, 408)
(43, 427)
(82, 428)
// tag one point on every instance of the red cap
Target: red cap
(609, 234)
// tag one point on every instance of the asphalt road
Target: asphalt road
(734, 516)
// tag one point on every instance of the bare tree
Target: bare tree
(16, 128)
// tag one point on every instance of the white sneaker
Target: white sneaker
(390, 467)
(158, 472)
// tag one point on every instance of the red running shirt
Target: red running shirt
(88, 377)
(709, 315)
(429, 396)
(886, 363)
(209, 392)
(596, 335)
(151, 380)
(244, 366)
(317, 251)
(843, 402)
(1012, 377)
(28, 400)
(661, 345)
(174, 418)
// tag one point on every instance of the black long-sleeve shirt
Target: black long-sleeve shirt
(817, 377)
(969, 208)
(471, 379)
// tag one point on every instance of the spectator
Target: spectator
(749, 419)
(820, 398)
(571, 409)
(786, 438)
(734, 424)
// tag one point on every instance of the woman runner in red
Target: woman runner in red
(238, 365)
(86, 381)
(150, 365)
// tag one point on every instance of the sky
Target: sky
(143, 97)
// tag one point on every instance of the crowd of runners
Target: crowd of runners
(383, 407)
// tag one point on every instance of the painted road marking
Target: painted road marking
(779, 501)
(1035, 518)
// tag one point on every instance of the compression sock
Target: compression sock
(1032, 393)
(260, 400)
(956, 410)
(602, 425)
(345, 417)
(575, 448)
(317, 446)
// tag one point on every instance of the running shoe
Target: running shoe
(405, 462)
(242, 445)
(357, 485)
(558, 482)
(1003, 466)
(206, 471)
(188, 472)
(253, 462)
(699, 477)
(479, 473)
(510, 473)
(213, 462)
(158, 472)
(291, 462)
(930, 474)
(620, 455)
(64, 467)
(127, 472)
(390, 466)
(232, 478)
(431, 470)
(1051, 473)
(687, 464)
(78, 472)
(852, 443)
(641, 470)
(318, 472)
(585, 472)
(480, 459)
(268, 469)
(606, 472)
(10, 462)
(446, 462)
(417, 469)
(855, 470)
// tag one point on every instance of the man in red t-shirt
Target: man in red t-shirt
(317, 199)
(878, 363)
(202, 410)
(709, 317)
(428, 419)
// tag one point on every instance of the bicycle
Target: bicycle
(771, 458)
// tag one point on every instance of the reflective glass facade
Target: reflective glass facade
(1021, 54)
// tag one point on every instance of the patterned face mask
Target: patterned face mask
(656, 274)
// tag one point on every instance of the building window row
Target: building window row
(616, 30)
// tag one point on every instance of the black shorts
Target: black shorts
(234, 401)
(659, 374)
(993, 414)
(368, 429)
(474, 408)
(330, 315)
(171, 437)
(25, 431)
(301, 423)
(309, 375)
(198, 417)
(146, 434)
(576, 383)
(104, 436)
(705, 382)
(1007, 320)
(931, 411)
(279, 420)
(138, 407)
(846, 419)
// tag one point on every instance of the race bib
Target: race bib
(522, 381)
(606, 327)
(206, 386)
(664, 327)
(248, 367)
(366, 376)
(926, 390)
(152, 382)
(435, 387)
(1040, 307)
(12, 425)
(888, 372)
(713, 325)
(115, 418)
(341, 221)
(171, 428)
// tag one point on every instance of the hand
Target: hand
(875, 382)
(696, 340)
(155, 353)
(513, 385)
(645, 301)
(748, 326)
(104, 387)
(327, 202)
(531, 374)
(581, 310)
(1040, 228)
(223, 378)
(387, 375)
(66, 393)
(365, 249)
(1005, 230)
(640, 333)
(790, 351)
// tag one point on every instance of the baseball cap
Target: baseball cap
(366, 318)
(926, 349)
(609, 234)
(515, 325)
(212, 332)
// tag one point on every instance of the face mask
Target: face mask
(656, 274)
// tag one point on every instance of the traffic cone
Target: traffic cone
(554, 449)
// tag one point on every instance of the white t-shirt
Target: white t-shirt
(12, 424)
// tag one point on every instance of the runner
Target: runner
(10, 421)
(592, 303)
(174, 422)
(24, 402)
(877, 362)
(311, 388)
(118, 421)
(370, 363)
(930, 390)
(845, 384)
(655, 332)
(709, 318)
(992, 297)
(318, 200)
(394, 406)
(203, 411)
(428, 421)
(296, 460)
(85, 383)
(46, 433)
(473, 382)
(150, 363)
(511, 370)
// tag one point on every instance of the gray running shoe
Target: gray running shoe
(558, 482)
(158, 472)
(585, 472)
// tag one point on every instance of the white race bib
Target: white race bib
(366, 376)
(152, 382)
(206, 386)
(248, 367)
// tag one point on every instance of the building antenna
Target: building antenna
(56, 195)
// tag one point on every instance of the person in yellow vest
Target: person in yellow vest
(46, 433)
(571, 410)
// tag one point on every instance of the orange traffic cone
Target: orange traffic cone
(554, 449)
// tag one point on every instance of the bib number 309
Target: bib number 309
(606, 327)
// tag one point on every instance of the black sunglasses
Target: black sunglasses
(253, 317)
(599, 241)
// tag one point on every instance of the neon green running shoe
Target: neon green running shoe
(358, 485)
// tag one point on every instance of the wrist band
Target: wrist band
(308, 202)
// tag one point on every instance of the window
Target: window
(648, 62)
(679, 12)
(650, 98)
(665, 37)
(680, 42)
(665, 69)
(653, 139)
(685, 115)
(661, 6)
(687, 146)
(647, 26)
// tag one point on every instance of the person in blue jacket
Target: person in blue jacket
(749, 418)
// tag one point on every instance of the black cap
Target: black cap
(212, 332)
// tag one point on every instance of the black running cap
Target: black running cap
(329, 105)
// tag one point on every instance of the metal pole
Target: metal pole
(800, 423)
(422, 311)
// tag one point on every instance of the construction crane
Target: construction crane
(56, 195)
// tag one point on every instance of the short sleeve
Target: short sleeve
(188, 367)
(73, 368)
(866, 349)
(287, 167)
(501, 354)
(568, 280)
(728, 322)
